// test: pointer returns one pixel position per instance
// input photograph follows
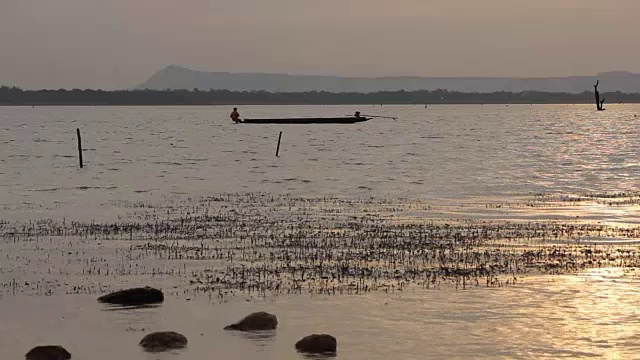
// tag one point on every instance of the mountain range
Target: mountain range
(177, 77)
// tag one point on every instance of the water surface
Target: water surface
(586, 316)
(561, 166)
(441, 152)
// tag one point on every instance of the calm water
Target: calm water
(456, 157)
(587, 316)
(452, 152)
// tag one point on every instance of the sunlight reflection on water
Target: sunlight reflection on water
(462, 162)
(589, 315)
(443, 152)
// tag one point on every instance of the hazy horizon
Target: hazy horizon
(119, 43)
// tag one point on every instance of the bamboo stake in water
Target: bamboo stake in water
(278, 149)
(79, 147)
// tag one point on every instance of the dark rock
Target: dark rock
(255, 322)
(133, 297)
(48, 352)
(162, 341)
(317, 344)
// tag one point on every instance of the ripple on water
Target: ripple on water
(305, 181)
(83, 187)
(172, 163)
(50, 189)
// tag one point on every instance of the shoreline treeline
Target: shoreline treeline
(17, 96)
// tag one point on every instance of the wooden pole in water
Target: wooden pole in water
(79, 147)
(599, 102)
(278, 149)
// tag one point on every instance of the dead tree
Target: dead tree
(599, 103)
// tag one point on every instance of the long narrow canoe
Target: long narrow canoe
(334, 120)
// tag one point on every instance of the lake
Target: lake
(171, 195)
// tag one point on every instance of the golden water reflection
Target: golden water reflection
(592, 314)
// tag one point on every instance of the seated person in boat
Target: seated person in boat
(357, 114)
(235, 116)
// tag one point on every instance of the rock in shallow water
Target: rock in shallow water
(48, 352)
(162, 341)
(317, 344)
(133, 297)
(255, 322)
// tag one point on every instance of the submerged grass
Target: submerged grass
(256, 245)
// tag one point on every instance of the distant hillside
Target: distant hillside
(175, 77)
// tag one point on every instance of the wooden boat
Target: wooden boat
(332, 120)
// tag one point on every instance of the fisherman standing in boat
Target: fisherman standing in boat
(235, 116)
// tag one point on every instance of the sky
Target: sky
(113, 44)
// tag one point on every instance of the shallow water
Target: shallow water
(585, 316)
(561, 166)
(442, 152)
